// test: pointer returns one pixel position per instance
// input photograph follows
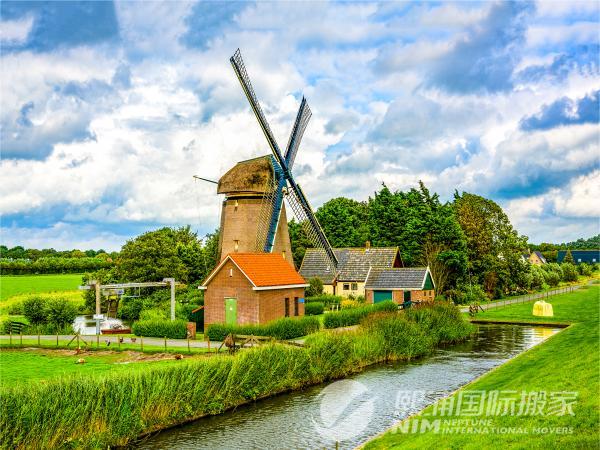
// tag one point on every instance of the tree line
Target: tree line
(469, 242)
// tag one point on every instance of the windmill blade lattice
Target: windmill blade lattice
(302, 118)
(283, 177)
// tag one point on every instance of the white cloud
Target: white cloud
(15, 32)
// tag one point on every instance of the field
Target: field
(567, 362)
(34, 365)
(27, 284)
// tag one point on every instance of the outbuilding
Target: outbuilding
(252, 288)
(402, 285)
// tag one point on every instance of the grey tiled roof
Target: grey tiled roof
(539, 255)
(397, 278)
(353, 263)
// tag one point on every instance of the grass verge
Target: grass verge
(567, 362)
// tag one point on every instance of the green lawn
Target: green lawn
(23, 366)
(27, 284)
(567, 362)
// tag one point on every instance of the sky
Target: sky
(109, 109)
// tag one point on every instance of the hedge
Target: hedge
(313, 308)
(286, 328)
(176, 329)
(353, 316)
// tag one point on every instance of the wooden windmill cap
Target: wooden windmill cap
(253, 176)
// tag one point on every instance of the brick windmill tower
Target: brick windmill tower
(253, 216)
(248, 187)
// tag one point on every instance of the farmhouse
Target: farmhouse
(535, 258)
(402, 285)
(354, 265)
(252, 288)
(580, 256)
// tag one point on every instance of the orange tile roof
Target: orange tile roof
(267, 269)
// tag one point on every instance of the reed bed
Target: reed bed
(97, 412)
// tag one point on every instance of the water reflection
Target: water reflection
(287, 421)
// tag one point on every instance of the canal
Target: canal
(353, 410)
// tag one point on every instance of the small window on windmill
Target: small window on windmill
(230, 272)
(283, 253)
(236, 245)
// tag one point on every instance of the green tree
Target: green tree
(164, 253)
(34, 310)
(60, 312)
(299, 241)
(315, 288)
(568, 257)
(494, 246)
(425, 230)
(345, 222)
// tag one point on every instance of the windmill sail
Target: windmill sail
(283, 176)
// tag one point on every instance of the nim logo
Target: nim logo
(345, 409)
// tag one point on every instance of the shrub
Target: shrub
(176, 329)
(569, 272)
(327, 299)
(60, 312)
(537, 277)
(315, 287)
(155, 314)
(285, 328)
(552, 278)
(352, 316)
(443, 321)
(34, 309)
(314, 308)
(16, 309)
(584, 269)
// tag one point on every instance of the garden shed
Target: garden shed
(406, 284)
(251, 289)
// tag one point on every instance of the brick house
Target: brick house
(252, 288)
(407, 284)
(354, 265)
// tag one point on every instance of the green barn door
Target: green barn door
(230, 311)
(381, 296)
(407, 296)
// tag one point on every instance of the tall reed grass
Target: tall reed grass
(113, 409)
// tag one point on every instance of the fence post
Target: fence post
(57, 339)
(39, 339)
(165, 343)
(142, 343)
(10, 336)
(97, 341)
(21, 338)
(188, 342)
(119, 340)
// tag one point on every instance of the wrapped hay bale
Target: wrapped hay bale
(542, 309)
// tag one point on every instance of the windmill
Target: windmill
(282, 183)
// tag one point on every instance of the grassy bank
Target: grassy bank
(11, 285)
(567, 362)
(114, 408)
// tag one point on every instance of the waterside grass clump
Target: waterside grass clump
(95, 412)
(353, 316)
